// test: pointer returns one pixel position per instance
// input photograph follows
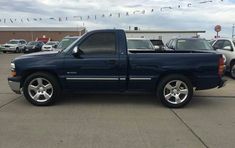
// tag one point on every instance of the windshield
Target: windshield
(66, 42)
(13, 42)
(193, 44)
(51, 43)
(32, 43)
(139, 44)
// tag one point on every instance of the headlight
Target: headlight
(13, 72)
(34, 47)
(224, 57)
(13, 66)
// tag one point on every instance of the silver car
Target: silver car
(15, 45)
(226, 47)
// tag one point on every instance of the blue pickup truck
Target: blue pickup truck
(99, 61)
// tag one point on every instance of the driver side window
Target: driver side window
(219, 44)
(99, 44)
(226, 46)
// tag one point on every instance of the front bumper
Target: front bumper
(29, 50)
(9, 49)
(14, 84)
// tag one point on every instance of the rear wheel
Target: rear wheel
(175, 91)
(232, 70)
(41, 89)
(4, 51)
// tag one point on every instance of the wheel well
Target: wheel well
(233, 61)
(188, 75)
(29, 72)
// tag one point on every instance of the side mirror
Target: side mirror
(171, 47)
(215, 47)
(75, 51)
(227, 48)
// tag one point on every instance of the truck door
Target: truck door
(96, 66)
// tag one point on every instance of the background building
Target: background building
(165, 36)
(32, 33)
(57, 33)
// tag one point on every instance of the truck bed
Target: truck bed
(199, 66)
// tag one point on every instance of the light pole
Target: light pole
(233, 30)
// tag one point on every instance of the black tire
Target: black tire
(46, 76)
(17, 50)
(171, 79)
(232, 70)
(4, 51)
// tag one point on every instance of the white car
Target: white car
(140, 44)
(226, 46)
(49, 46)
(15, 45)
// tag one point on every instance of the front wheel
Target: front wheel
(17, 50)
(41, 89)
(232, 70)
(175, 91)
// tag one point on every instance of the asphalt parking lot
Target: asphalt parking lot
(116, 121)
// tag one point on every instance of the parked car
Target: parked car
(100, 62)
(1, 47)
(49, 46)
(15, 45)
(67, 41)
(158, 44)
(139, 44)
(226, 47)
(33, 46)
(189, 44)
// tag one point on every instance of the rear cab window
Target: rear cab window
(139, 44)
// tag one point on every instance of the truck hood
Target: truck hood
(38, 55)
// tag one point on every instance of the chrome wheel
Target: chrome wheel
(176, 92)
(40, 89)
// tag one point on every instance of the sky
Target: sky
(102, 14)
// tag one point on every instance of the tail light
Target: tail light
(221, 66)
